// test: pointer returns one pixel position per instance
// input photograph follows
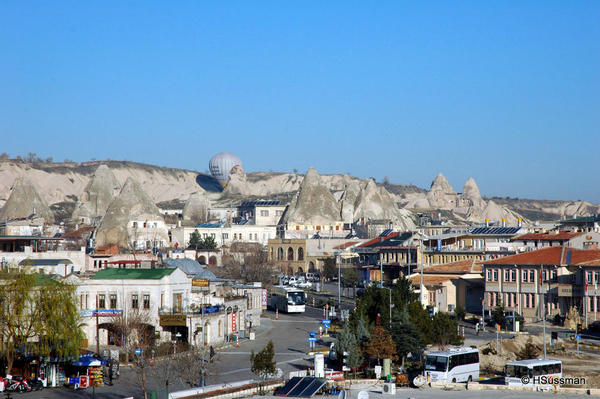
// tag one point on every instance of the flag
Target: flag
(541, 275)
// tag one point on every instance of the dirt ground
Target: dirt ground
(574, 365)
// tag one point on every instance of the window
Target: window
(146, 301)
(278, 213)
(134, 301)
(134, 225)
(588, 277)
(513, 275)
(524, 276)
(495, 274)
(526, 300)
(506, 275)
(225, 236)
(532, 276)
(532, 300)
(596, 277)
(489, 275)
(113, 301)
(264, 213)
(101, 301)
(554, 275)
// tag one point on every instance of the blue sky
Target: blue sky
(506, 92)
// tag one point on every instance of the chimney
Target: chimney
(519, 222)
(503, 222)
(487, 222)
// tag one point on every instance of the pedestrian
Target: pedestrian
(477, 328)
(110, 373)
(211, 353)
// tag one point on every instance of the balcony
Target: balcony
(191, 310)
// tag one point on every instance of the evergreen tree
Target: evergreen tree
(345, 341)
(195, 240)
(209, 243)
(354, 359)
(445, 331)
(362, 331)
(406, 335)
(263, 363)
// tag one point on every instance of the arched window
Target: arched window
(311, 266)
(202, 259)
(290, 255)
(212, 261)
(300, 254)
(300, 271)
(280, 254)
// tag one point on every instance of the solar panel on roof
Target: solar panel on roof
(289, 386)
(313, 388)
(300, 387)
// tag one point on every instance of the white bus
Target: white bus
(287, 299)
(533, 372)
(457, 364)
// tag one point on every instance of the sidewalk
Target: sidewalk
(266, 324)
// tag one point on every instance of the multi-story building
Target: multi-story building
(549, 280)
(261, 213)
(585, 224)
(393, 253)
(556, 238)
(224, 233)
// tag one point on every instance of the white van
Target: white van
(536, 373)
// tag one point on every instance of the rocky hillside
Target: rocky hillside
(84, 188)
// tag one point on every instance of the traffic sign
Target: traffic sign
(578, 337)
(326, 323)
(138, 352)
(312, 334)
(312, 339)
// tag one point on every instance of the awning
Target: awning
(89, 361)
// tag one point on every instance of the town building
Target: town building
(224, 233)
(445, 287)
(261, 213)
(553, 238)
(546, 281)
(585, 224)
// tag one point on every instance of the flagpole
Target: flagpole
(543, 307)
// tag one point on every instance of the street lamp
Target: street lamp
(423, 237)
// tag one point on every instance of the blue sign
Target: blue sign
(578, 337)
(138, 352)
(311, 334)
(439, 245)
(312, 339)
(326, 323)
(74, 381)
(211, 309)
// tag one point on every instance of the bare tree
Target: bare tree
(248, 262)
(134, 329)
(191, 366)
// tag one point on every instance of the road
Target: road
(289, 335)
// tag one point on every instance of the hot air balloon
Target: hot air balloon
(223, 165)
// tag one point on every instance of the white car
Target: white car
(292, 280)
(304, 284)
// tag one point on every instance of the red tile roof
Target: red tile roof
(346, 245)
(78, 233)
(378, 239)
(461, 267)
(550, 236)
(430, 279)
(549, 256)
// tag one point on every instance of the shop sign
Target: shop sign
(173, 320)
(200, 282)
(101, 312)
(212, 309)
(264, 297)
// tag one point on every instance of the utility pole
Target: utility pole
(97, 329)
(422, 297)
(202, 324)
(543, 306)
(339, 281)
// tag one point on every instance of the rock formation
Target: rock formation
(132, 204)
(237, 185)
(314, 203)
(348, 199)
(441, 195)
(97, 195)
(471, 197)
(196, 208)
(25, 202)
(494, 212)
(375, 203)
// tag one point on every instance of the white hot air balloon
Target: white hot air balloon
(223, 165)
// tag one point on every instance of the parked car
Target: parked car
(292, 280)
(304, 284)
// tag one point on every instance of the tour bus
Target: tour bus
(456, 364)
(287, 299)
(532, 373)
